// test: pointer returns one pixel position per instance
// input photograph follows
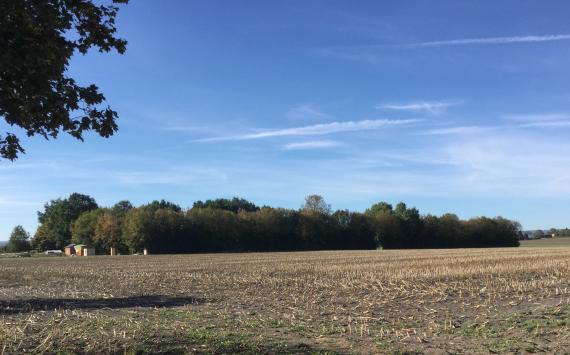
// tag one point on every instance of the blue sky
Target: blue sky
(451, 106)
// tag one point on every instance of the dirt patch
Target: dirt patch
(441, 301)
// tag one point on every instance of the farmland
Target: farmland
(416, 301)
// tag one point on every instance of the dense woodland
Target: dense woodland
(237, 225)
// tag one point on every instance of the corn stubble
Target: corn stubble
(479, 300)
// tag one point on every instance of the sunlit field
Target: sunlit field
(547, 242)
(423, 301)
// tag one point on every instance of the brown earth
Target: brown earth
(513, 300)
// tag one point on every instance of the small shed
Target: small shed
(79, 248)
(69, 250)
(84, 250)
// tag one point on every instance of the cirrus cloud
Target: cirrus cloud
(316, 130)
(432, 107)
(323, 144)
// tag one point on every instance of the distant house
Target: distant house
(79, 249)
(69, 250)
(84, 250)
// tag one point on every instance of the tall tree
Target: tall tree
(107, 231)
(83, 229)
(19, 240)
(354, 230)
(275, 229)
(57, 218)
(169, 232)
(235, 204)
(219, 229)
(37, 40)
(137, 228)
(121, 208)
(162, 205)
(379, 208)
(316, 203)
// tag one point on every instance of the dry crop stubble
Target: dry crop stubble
(344, 301)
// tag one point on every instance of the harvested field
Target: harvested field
(417, 301)
(563, 242)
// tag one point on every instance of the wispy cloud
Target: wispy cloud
(458, 130)
(304, 112)
(490, 40)
(369, 53)
(548, 124)
(515, 163)
(315, 130)
(541, 117)
(546, 120)
(433, 107)
(323, 144)
(512, 162)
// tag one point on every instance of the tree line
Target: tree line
(238, 225)
(550, 233)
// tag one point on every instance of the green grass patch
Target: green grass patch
(173, 314)
(228, 342)
(557, 317)
(501, 346)
(477, 330)
(535, 324)
(298, 328)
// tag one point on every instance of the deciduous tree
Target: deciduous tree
(19, 240)
(37, 40)
(107, 231)
(83, 229)
(137, 228)
(58, 216)
(316, 203)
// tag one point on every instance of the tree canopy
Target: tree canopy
(19, 240)
(316, 203)
(57, 219)
(38, 39)
(234, 205)
(236, 225)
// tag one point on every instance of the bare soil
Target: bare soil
(470, 301)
